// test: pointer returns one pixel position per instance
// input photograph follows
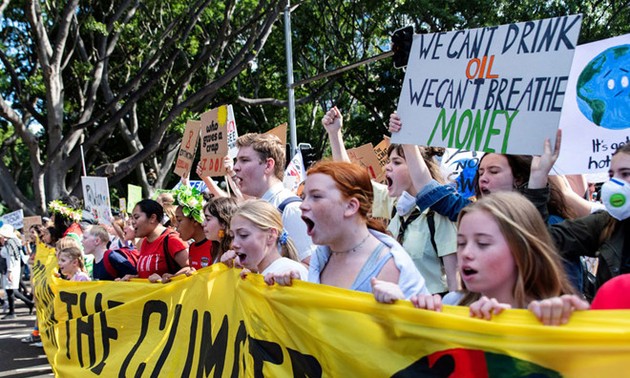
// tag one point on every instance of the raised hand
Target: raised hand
(332, 121)
(199, 171)
(541, 165)
(395, 123)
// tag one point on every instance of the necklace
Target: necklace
(353, 249)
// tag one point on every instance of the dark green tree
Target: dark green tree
(117, 78)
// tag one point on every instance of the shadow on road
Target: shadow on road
(18, 359)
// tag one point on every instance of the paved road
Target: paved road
(18, 359)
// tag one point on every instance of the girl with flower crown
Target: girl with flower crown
(66, 215)
(190, 220)
(260, 244)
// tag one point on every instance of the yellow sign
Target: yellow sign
(215, 323)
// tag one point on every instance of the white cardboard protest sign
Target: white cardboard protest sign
(493, 89)
(459, 167)
(232, 133)
(197, 184)
(596, 113)
(15, 219)
(96, 198)
(295, 173)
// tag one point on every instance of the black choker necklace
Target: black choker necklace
(353, 249)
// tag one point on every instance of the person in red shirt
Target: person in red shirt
(190, 220)
(156, 259)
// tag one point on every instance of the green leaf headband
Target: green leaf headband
(191, 201)
(58, 207)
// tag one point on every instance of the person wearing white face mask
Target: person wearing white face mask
(605, 235)
(616, 198)
(429, 238)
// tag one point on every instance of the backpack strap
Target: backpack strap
(129, 254)
(108, 264)
(404, 223)
(287, 201)
(431, 223)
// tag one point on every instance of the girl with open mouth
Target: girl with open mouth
(429, 238)
(259, 242)
(507, 260)
(354, 252)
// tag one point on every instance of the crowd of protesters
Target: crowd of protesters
(521, 242)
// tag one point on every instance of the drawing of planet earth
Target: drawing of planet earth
(603, 89)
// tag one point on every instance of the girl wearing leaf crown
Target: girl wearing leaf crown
(189, 216)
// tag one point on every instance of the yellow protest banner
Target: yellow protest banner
(215, 323)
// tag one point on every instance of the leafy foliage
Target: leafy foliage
(121, 78)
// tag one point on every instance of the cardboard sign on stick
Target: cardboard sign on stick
(214, 141)
(188, 149)
(381, 153)
(364, 156)
(493, 89)
(122, 205)
(281, 132)
(29, 221)
(134, 195)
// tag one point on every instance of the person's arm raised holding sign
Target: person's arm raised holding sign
(212, 186)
